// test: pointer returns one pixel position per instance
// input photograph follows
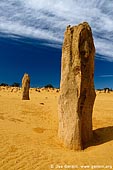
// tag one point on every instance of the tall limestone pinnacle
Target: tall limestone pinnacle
(25, 87)
(77, 93)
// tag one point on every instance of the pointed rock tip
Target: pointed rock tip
(85, 24)
(26, 74)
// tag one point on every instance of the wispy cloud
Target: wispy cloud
(48, 20)
(105, 76)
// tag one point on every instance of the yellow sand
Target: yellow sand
(28, 133)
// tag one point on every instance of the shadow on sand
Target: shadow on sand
(101, 136)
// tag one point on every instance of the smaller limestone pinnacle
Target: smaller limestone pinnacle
(25, 87)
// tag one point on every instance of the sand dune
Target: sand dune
(28, 133)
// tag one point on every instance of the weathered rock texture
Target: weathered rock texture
(77, 93)
(25, 87)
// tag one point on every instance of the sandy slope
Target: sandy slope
(28, 134)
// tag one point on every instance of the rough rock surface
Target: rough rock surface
(77, 93)
(25, 87)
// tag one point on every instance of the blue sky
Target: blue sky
(31, 36)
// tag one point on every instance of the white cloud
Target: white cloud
(47, 19)
(106, 76)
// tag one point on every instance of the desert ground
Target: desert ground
(28, 133)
